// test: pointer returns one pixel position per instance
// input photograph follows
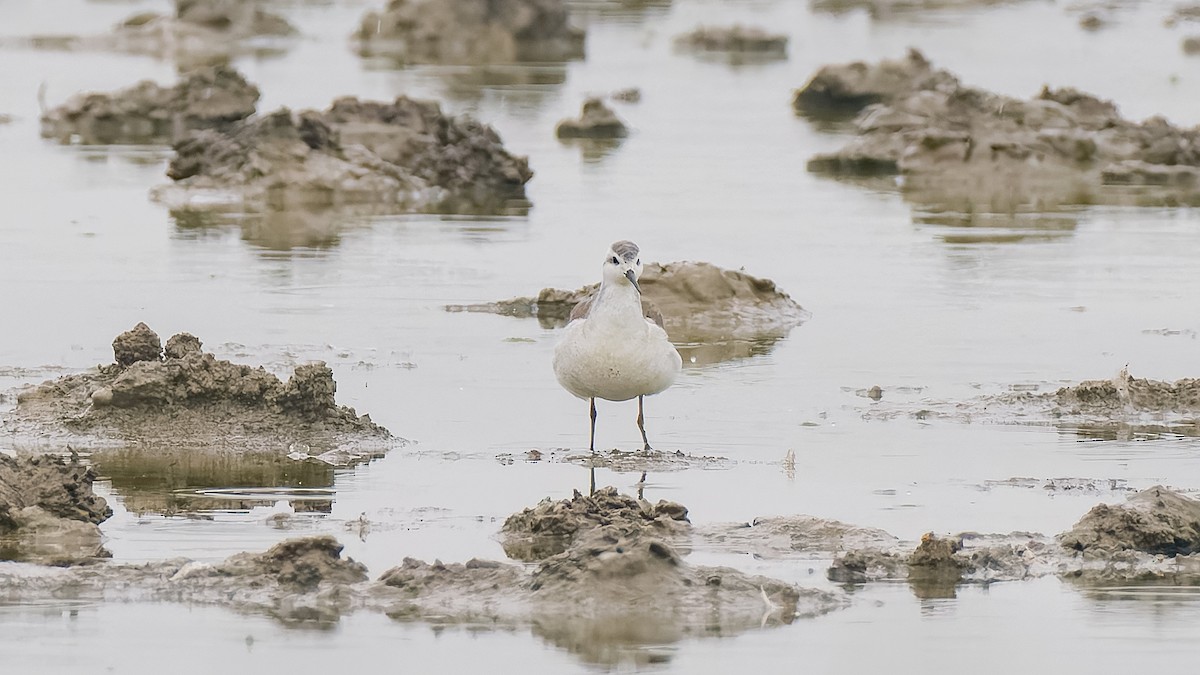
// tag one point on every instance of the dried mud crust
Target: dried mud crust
(471, 31)
(882, 9)
(551, 527)
(48, 512)
(967, 149)
(204, 98)
(406, 154)
(182, 396)
(697, 302)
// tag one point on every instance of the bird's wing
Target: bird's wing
(581, 309)
(650, 311)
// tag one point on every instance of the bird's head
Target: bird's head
(622, 264)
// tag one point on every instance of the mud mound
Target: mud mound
(697, 301)
(199, 30)
(969, 150)
(298, 564)
(471, 31)
(1155, 520)
(185, 397)
(48, 512)
(606, 593)
(845, 89)
(596, 121)
(736, 39)
(205, 98)
(550, 527)
(1124, 392)
(406, 153)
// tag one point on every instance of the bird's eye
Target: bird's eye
(638, 261)
(615, 261)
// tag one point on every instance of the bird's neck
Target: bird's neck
(617, 301)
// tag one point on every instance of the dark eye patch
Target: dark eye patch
(615, 261)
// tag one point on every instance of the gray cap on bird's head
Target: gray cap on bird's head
(626, 249)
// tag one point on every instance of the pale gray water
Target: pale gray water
(714, 171)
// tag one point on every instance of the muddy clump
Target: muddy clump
(48, 512)
(1155, 520)
(734, 40)
(698, 302)
(405, 154)
(596, 121)
(186, 397)
(552, 526)
(968, 150)
(471, 31)
(205, 98)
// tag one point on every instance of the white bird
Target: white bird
(610, 349)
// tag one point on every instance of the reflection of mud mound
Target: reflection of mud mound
(48, 512)
(736, 42)
(471, 31)
(406, 154)
(1154, 521)
(958, 145)
(188, 398)
(209, 97)
(699, 303)
(550, 527)
(171, 481)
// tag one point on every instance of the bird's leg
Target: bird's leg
(642, 426)
(592, 441)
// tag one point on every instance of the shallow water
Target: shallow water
(933, 313)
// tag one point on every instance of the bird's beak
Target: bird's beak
(633, 280)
